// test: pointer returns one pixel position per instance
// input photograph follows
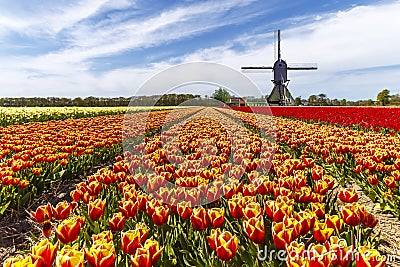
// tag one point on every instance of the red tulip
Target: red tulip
(101, 255)
(368, 257)
(319, 256)
(184, 210)
(348, 195)
(43, 213)
(281, 235)
(322, 232)
(351, 214)
(68, 230)
(96, 209)
(44, 253)
(199, 219)
(160, 215)
(117, 222)
(216, 216)
(254, 229)
(223, 243)
(252, 209)
(62, 210)
(334, 221)
(342, 253)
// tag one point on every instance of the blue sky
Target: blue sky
(111, 47)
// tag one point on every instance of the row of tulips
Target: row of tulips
(369, 159)
(21, 115)
(206, 192)
(375, 118)
(35, 155)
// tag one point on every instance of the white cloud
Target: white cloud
(46, 18)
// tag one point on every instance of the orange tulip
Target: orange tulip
(303, 194)
(369, 220)
(43, 213)
(131, 241)
(23, 183)
(342, 253)
(68, 230)
(142, 258)
(317, 172)
(216, 217)
(44, 253)
(351, 214)
(252, 209)
(184, 210)
(334, 221)
(103, 237)
(348, 195)
(304, 219)
(148, 255)
(277, 210)
(296, 254)
(223, 243)
(96, 209)
(318, 209)
(152, 204)
(281, 235)
(254, 229)
(322, 232)
(101, 255)
(319, 256)
(117, 222)
(373, 179)
(154, 248)
(70, 257)
(235, 208)
(368, 257)
(390, 182)
(20, 261)
(199, 219)
(160, 215)
(61, 211)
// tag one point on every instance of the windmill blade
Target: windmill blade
(302, 66)
(261, 69)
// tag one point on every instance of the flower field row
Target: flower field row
(20, 115)
(207, 191)
(36, 155)
(370, 159)
(365, 117)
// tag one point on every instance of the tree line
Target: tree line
(383, 98)
(91, 101)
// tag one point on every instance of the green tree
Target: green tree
(311, 100)
(221, 95)
(297, 101)
(383, 97)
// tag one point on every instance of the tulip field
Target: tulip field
(203, 187)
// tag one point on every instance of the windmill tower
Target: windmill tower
(280, 94)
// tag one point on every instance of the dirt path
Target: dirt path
(18, 231)
(388, 228)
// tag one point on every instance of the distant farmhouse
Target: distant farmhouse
(236, 102)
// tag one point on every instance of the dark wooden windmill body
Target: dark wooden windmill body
(280, 94)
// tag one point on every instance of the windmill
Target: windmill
(280, 94)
